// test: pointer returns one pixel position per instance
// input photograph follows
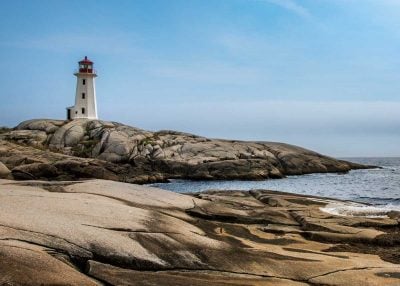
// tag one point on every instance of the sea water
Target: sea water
(379, 188)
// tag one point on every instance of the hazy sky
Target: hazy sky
(324, 74)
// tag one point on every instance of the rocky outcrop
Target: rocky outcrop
(29, 163)
(110, 233)
(152, 156)
(4, 171)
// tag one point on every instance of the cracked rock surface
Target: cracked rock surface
(100, 232)
(66, 150)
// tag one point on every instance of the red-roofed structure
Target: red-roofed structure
(86, 66)
(85, 95)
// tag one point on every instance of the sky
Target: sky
(322, 74)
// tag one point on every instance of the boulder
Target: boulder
(168, 154)
(28, 163)
(48, 126)
(4, 171)
(35, 171)
(116, 147)
(68, 135)
(29, 137)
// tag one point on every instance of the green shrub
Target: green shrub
(85, 148)
(4, 129)
(147, 140)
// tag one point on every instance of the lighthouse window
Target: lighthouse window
(83, 95)
(83, 81)
(83, 110)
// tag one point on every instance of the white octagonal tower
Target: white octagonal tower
(85, 96)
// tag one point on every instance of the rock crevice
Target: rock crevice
(103, 232)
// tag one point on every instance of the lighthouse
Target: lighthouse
(85, 95)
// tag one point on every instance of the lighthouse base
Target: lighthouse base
(73, 113)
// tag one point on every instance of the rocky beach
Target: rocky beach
(69, 150)
(70, 213)
(100, 232)
(199, 143)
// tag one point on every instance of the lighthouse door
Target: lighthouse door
(69, 114)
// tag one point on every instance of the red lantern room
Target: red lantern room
(86, 66)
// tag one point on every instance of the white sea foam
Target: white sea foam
(359, 210)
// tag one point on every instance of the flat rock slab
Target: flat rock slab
(94, 232)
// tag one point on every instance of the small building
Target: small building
(85, 95)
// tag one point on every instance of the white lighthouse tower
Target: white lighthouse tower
(85, 96)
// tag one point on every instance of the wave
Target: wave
(358, 210)
(380, 199)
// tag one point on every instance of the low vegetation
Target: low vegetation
(84, 150)
(4, 129)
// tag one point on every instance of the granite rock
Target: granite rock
(163, 155)
(96, 232)
(4, 171)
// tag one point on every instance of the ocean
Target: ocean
(379, 188)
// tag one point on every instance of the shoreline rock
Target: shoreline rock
(5, 173)
(98, 231)
(111, 150)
